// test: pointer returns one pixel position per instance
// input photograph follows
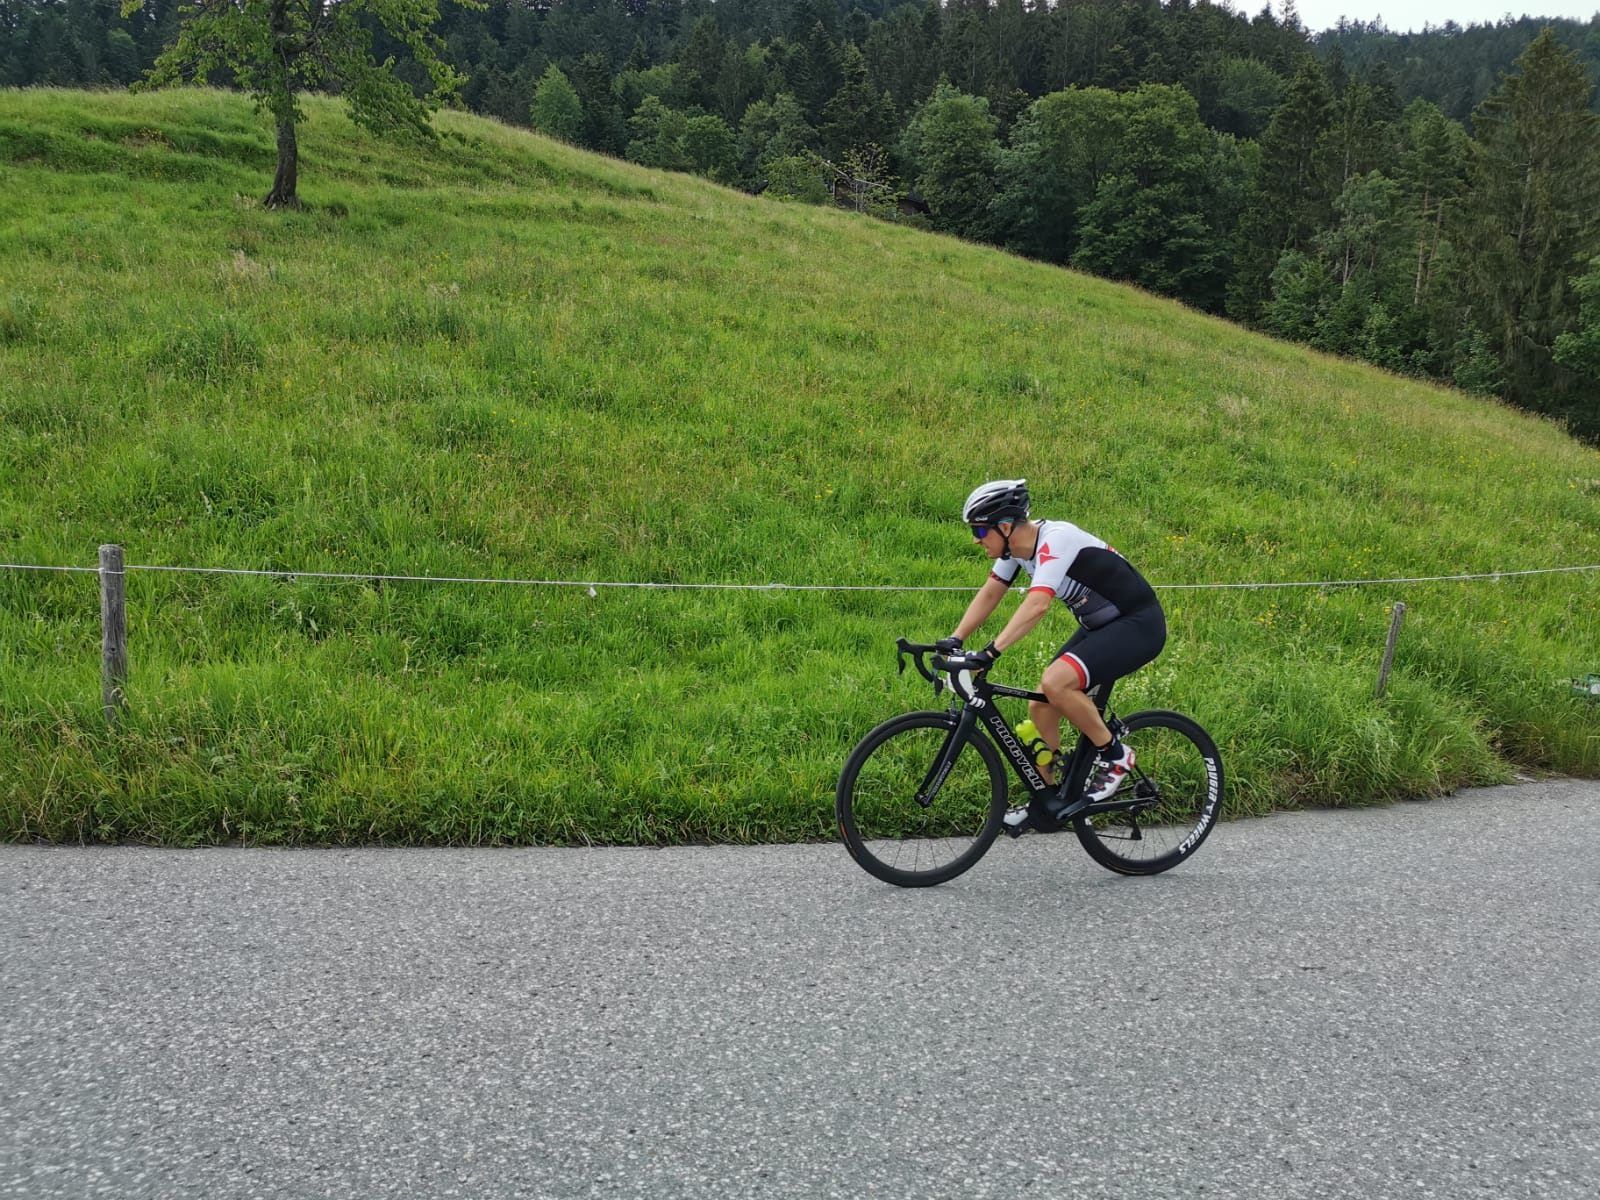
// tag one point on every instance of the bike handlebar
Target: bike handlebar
(947, 663)
(916, 650)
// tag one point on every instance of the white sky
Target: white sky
(1406, 15)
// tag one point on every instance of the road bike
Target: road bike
(922, 796)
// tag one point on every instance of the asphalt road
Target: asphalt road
(1390, 1003)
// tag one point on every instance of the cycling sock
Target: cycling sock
(1112, 750)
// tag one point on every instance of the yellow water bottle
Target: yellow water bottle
(1037, 747)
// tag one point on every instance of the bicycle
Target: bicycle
(1158, 816)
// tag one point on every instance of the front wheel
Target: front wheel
(1166, 805)
(912, 842)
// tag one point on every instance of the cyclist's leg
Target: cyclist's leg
(1064, 683)
(1046, 716)
(1101, 656)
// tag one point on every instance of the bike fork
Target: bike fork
(945, 759)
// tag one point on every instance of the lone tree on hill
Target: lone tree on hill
(276, 49)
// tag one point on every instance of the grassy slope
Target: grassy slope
(505, 357)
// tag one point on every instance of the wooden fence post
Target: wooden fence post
(1388, 650)
(113, 632)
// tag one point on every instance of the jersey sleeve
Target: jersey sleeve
(1005, 570)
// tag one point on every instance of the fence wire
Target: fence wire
(593, 585)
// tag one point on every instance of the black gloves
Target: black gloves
(983, 659)
(948, 645)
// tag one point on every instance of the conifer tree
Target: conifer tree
(858, 113)
(1531, 220)
(701, 59)
(1432, 160)
(1290, 200)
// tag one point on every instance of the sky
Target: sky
(1406, 15)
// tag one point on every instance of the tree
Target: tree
(1531, 223)
(1302, 292)
(1365, 226)
(556, 110)
(772, 129)
(951, 146)
(701, 61)
(963, 55)
(868, 184)
(1578, 350)
(277, 49)
(1061, 148)
(858, 113)
(655, 135)
(1432, 161)
(709, 146)
(1290, 201)
(739, 80)
(1361, 135)
(1147, 221)
(796, 177)
(1247, 93)
(603, 128)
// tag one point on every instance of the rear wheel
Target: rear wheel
(907, 842)
(1172, 797)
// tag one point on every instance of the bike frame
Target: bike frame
(975, 702)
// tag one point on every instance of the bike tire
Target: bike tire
(878, 815)
(1178, 770)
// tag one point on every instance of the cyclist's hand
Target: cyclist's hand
(948, 645)
(982, 660)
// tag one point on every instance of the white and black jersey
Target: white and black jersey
(1081, 571)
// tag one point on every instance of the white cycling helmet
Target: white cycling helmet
(997, 500)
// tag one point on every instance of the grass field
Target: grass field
(498, 356)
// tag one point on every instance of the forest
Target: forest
(1426, 202)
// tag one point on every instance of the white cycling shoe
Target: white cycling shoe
(1108, 776)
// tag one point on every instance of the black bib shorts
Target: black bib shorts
(1119, 647)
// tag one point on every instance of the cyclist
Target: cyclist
(1120, 623)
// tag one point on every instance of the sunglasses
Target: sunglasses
(981, 531)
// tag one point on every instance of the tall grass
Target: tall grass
(502, 357)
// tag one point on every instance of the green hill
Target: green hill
(501, 357)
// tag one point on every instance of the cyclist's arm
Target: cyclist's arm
(983, 604)
(1029, 613)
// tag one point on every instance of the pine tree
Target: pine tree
(1432, 160)
(858, 113)
(1291, 201)
(701, 59)
(603, 128)
(1531, 220)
